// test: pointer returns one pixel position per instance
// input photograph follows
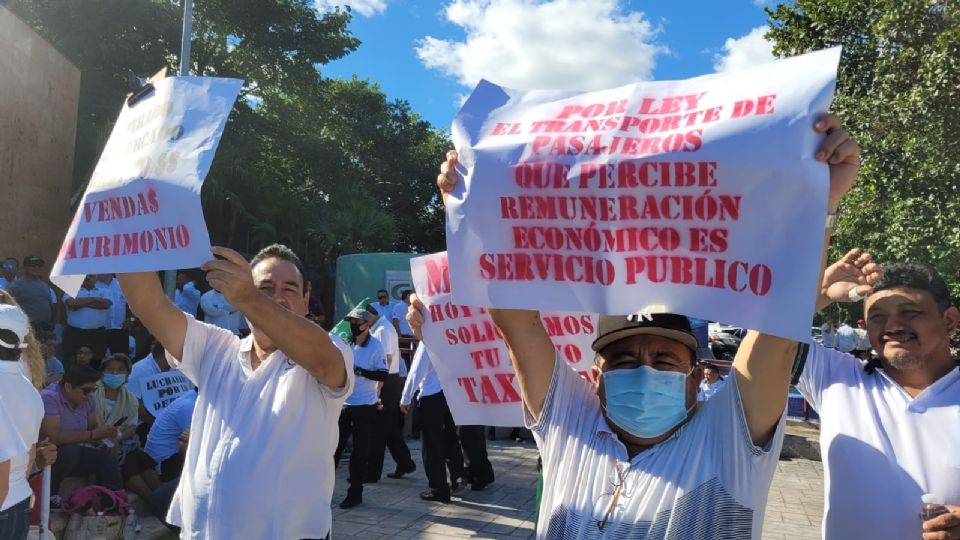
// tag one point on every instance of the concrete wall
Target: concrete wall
(39, 92)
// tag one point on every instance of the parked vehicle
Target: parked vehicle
(724, 345)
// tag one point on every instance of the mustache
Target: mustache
(897, 336)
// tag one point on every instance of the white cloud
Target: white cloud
(545, 44)
(744, 52)
(367, 8)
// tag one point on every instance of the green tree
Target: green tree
(898, 92)
(325, 165)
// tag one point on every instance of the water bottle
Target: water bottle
(932, 507)
(132, 526)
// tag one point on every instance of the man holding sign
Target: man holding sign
(633, 454)
(265, 423)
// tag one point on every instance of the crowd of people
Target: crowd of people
(229, 423)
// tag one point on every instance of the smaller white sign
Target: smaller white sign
(470, 357)
(141, 210)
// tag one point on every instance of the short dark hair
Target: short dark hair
(7, 353)
(280, 251)
(45, 335)
(78, 375)
(405, 294)
(384, 291)
(118, 357)
(919, 276)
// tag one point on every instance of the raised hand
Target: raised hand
(415, 314)
(447, 179)
(848, 280)
(229, 273)
(842, 153)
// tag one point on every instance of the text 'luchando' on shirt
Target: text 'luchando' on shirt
(708, 481)
(259, 464)
(882, 450)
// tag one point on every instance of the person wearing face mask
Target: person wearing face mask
(70, 422)
(118, 407)
(359, 416)
(24, 410)
(632, 454)
(264, 427)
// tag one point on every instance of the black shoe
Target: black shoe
(480, 486)
(399, 473)
(350, 502)
(370, 480)
(458, 485)
(434, 496)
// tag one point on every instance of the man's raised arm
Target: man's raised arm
(158, 314)
(300, 339)
(763, 362)
(531, 351)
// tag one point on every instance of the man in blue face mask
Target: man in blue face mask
(630, 453)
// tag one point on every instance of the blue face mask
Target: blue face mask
(114, 380)
(645, 402)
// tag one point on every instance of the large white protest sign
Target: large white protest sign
(469, 354)
(160, 390)
(699, 197)
(141, 210)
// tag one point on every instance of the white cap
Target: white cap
(931, 498)
(14, 319)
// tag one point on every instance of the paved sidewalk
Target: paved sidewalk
(392, 508)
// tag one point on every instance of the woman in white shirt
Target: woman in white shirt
(20, 413)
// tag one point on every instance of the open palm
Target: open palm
(854, 271)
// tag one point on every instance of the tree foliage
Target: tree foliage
(328, 166)
(899, 94)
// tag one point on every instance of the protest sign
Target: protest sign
(699, 197)
(470, 357)
(162, 389)
(141, 210)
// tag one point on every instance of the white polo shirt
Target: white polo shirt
(387, 335)
(117, 313)
(386, 311)
(400, 314)
(219, 312)
(87, 318)
(369, 357)
(882, 450)
(25, 408)
(12, 449)
(422, 378)
(829, 336)
(259, 462)
(846, 338)
(706, 482)
(163, 440)
(187, 298)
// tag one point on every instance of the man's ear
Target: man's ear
(595, 374)
(951, 316)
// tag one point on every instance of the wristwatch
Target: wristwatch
(832, 219)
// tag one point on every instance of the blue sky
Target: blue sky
(431, 52)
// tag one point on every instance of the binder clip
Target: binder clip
(139, 89)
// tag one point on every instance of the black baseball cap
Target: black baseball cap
(669, 325)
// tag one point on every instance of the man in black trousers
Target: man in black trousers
(441, 445)
(479, 469)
